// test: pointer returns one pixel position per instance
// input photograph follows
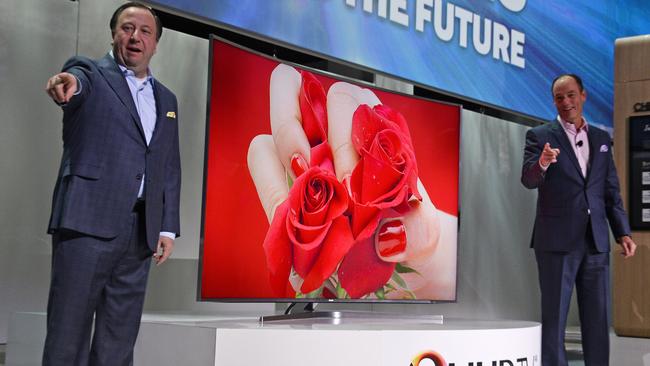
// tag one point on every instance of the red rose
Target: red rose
(308, 232)
(386, 175)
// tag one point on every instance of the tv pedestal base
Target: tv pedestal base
(233, 340)
(389, 340)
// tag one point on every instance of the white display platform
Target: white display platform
(377, 341)
(195, 339)
(173, 339)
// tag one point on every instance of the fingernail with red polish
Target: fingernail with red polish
(298, 164)
(391, 238)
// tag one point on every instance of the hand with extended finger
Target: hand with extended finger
(61, 87)
(548, 156)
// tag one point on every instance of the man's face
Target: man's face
(134, 39)
(569, 99)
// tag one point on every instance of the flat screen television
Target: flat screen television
(318, 188)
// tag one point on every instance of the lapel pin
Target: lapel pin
(604, 148)
(173, 115)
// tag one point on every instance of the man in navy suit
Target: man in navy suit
(116, 199)
(578, 196)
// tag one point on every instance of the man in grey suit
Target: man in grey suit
(578, 201)
(116, 199)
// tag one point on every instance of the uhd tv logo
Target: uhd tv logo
(439, 361)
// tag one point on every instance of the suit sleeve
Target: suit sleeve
(83, 69)
(532, 175)
(172, 190)
(616, 215)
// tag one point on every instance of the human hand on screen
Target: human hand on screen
(431, 246)
(286, 154)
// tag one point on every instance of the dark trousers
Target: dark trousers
(104, 279)
(589, 271)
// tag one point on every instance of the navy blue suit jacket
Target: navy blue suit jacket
(105, 157)
(567, 200)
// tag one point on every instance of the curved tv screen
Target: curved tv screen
(317, 188)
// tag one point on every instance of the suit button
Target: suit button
(138, 176)
(588, 211)
(148, 151)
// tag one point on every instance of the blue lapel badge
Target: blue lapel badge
(604, 148)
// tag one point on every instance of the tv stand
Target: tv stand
(338, 317)
(290, 314)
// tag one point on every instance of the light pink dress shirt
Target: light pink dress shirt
(579, 141)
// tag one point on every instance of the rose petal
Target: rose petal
(313, 109)
(305, 254)
(336, 245)
(388, 147)
(377, 178)
(365, 219)
(277, 249)
(315, 198)
(303, 234)
(335, 202)
(395, 118)
(321, 156)
(362, 272)
(365, 126)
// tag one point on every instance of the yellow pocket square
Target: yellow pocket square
(171, 114)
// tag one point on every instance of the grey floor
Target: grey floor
(575, 357)
(574, 346)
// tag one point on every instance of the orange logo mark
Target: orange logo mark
(429, 355)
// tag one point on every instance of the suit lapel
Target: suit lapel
(115, 79)
(565, 146)
(160, 111)
(594, 150)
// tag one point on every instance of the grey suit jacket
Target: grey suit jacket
(567, 201)
(105, 157)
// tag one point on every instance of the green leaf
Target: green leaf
(289, 180)
(411, 294)
(380, 294)
(400, 268)
(341, 293)
(399, 280)
(315, 294)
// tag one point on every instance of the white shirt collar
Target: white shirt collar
(127, 72)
